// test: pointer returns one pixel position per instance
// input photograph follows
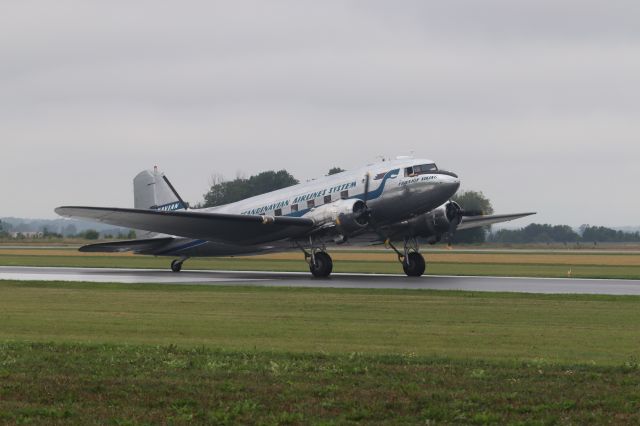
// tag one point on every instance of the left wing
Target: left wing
(148, 245)
(235, 228)
(469, 222)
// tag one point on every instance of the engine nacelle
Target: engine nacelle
(348, 216)
(434, 223)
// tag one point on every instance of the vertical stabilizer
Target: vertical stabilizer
(153, 191)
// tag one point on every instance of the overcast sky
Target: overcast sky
(535, 103)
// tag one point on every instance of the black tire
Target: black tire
(323, 266)
(176, 265)
(414, 265)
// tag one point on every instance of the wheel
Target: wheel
(176, 265)
(414, 265)
(323, 266)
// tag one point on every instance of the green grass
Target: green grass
(380, 267)
(133, 354)
(122, 384)
(490, 326)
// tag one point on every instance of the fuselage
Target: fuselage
(398, 190)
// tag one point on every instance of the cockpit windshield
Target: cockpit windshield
(420, 170)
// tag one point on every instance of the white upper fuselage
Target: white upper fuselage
(395, 192)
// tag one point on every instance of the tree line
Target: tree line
(6, 232)
(225, 192)
(543, 233)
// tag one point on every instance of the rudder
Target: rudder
(153, 191)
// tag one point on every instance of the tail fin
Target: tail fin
(152, 190)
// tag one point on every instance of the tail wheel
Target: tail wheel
(323, 265)
(176, 265)
(414, 265)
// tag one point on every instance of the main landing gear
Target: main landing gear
(176, 265)
(320, 263)
(412, 261)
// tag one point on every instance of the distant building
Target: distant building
(26, 234)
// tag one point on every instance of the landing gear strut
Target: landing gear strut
(176, 265)
(412, 261)
(320, 263)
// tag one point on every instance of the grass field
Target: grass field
(84, 353)
(127, 354)
(98, 384)
(535, 264)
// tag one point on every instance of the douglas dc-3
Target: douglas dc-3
(405, 200)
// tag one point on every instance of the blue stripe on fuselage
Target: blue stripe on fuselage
(372, 194)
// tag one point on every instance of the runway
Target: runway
(301, 279)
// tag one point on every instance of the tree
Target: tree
(225, 192)
(69, 230)
(601, 234)
(91, 234)
(538, 233)
(335, 170)
(473, 200)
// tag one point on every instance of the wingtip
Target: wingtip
(62, 211)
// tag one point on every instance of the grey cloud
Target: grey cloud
(528, 101)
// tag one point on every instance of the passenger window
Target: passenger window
(294, 207)
(278, 212)
(408, 172)
(344, 195)
(327, 199)
(311, 204)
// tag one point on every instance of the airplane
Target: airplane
(404, 200)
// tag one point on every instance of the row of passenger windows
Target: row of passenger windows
(312, 203)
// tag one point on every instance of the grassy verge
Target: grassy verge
(98, 384)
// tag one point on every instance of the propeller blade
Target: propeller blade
(365, 197)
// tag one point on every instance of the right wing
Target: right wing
(469, 222)
(235, 228)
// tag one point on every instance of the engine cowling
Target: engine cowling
(348, 216)
(435, 223)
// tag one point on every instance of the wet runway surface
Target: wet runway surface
(301, 279)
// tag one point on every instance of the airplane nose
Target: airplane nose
(452, 184)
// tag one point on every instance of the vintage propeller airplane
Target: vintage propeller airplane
(405, 200)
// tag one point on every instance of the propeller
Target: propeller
(455, 213)
(364, 216)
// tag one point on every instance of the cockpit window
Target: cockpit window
(420, 170)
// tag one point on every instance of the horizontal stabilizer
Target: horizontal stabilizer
(210, 226)
(469, 222)
(136, 246)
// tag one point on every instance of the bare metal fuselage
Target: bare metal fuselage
(393, 197)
